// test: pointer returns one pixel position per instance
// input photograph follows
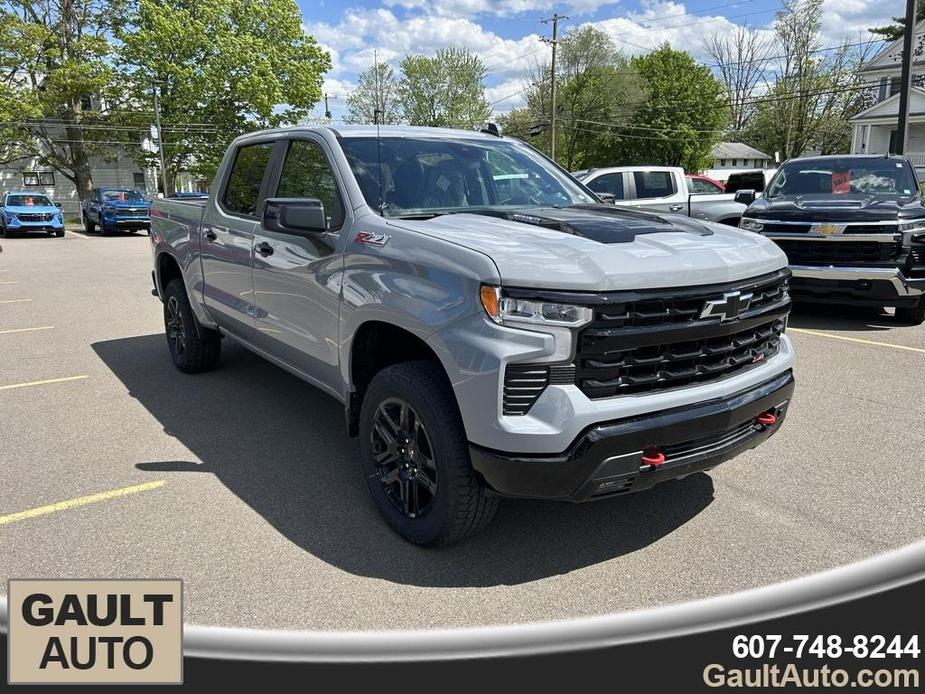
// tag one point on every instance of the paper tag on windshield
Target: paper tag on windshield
(841, 181)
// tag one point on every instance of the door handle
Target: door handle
(264, 249)
(675, 208)
(209, 234)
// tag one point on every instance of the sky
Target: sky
(506, 34)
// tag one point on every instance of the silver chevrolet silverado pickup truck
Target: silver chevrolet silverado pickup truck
(490, 327)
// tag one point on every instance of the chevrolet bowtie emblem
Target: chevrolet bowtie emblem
(727, 308)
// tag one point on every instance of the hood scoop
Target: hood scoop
(601, 223)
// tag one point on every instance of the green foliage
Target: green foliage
(894, 31)
(597, 91)
(53, 55)
(225, 67)
(375, 92)
(681, 119)
(443, 91)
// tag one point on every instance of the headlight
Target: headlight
(549, 317)
(504, 309)
(916, 225)
(109, 209)
(750, 224)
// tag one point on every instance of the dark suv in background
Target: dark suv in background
(853, 229)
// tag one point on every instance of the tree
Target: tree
(376, 91)
(224, 67)
(683, 116)
(814, 93)
(443, 91)
(597, 91)
(894, 31)
(741, 57)
(60, 92)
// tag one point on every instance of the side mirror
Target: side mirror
(294, 216)
(58, 205)
(607, 197)
(746, 196)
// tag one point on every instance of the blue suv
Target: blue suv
(116, 209)
(21, 213)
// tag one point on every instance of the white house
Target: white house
(118, 171)
(729, 157)
(874, 129)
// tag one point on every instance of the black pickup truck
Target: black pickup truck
(853, 229)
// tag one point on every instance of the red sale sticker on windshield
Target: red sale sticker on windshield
(841, 181)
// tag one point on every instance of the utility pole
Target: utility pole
(160, 136)
(906, 78)
(554, 41)
(327, 111)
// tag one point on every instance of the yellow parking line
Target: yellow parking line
(42, 383)
(26, 330)
(819, 333)
(80, 501)
(14, 301)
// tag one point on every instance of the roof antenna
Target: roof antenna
(378, 114)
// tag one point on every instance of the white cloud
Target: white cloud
(501, 8)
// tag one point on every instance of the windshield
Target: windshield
(422, 176)
(887, 178)
(28, 200)
(122, 195)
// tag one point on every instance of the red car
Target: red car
(703, 184)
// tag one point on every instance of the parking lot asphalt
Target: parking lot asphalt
(241, 481)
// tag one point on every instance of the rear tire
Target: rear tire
(193, 347)
(912, 314)
(418, 471)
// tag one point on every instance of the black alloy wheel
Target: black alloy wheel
(176, 333)
(404, 457)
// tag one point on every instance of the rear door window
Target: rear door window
(243, 187)
(653, 184)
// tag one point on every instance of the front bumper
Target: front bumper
(21, 227)
(886, 286)
(605, 460)
(127, 222)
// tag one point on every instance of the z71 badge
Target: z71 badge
(371, 239)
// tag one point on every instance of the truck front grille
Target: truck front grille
(131, 212)
(656, 339)
(652, 308)
(800, 252)
(605, 370)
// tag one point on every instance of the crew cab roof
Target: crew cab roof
(347, 131)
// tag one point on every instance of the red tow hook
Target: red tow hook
(654, 458)
(767, 418)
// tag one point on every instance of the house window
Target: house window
(735, 162)
(722, 162)
(138, 178)
(85, 103)
(894, 85)
(38, 178)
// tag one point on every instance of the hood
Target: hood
(605, 248)
(31, 209)
(836, 208)
(127, 203)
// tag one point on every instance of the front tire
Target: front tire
(193, 347)
(912, 314)
(89, 226)
(415, 457)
